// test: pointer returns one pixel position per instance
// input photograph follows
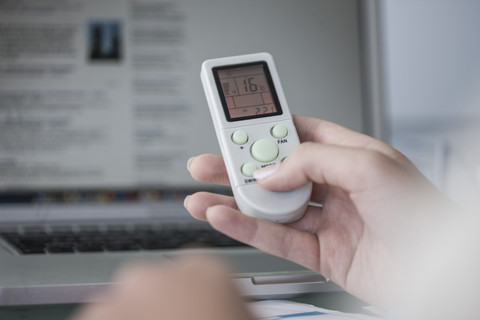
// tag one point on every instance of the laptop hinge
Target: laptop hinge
(294, 278)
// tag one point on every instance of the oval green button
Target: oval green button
(264, 150)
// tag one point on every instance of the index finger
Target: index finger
(208, 168)
(323, 131)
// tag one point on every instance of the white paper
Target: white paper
(281, 309)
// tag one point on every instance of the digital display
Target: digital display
(247, 91)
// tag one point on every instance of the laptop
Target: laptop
(101, 105)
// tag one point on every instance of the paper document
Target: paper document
(279, 309)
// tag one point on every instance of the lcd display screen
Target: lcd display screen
(247, 91)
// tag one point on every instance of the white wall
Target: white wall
(433, 89)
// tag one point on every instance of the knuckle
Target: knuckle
(303, 149)
(377, 160)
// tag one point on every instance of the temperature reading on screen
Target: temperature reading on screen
(252, 87)
(247, 91)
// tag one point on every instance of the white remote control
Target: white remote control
(255, 129)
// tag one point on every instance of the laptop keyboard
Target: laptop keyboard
(115, 238)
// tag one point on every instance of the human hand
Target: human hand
(191, 288)
(376, 208)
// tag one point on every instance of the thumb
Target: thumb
(345, 167)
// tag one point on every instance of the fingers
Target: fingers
(198, 203)
(153, 290)
(322, 131)
(277, 239)
(144, 273)
(98, 311)
(208, 168)
(350, 169)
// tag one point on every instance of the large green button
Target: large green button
(264, 150)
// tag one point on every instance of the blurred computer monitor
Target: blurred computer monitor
(101, 101)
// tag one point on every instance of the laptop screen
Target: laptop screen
(101, 101)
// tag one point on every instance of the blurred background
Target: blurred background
(97, 96)
(101, 100)
(432, 59)
(101, 103)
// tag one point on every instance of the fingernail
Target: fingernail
(265, 172)
(189, 163)
(185, 201)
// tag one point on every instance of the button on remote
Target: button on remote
(279, 131)
(249, 168)
(239, 137)
(264, 150)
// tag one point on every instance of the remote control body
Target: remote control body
(255, 129)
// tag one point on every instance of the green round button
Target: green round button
(279, 131)
(249, 168)
(240, 137)
(264, 150)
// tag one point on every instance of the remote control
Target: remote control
(255, 129)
